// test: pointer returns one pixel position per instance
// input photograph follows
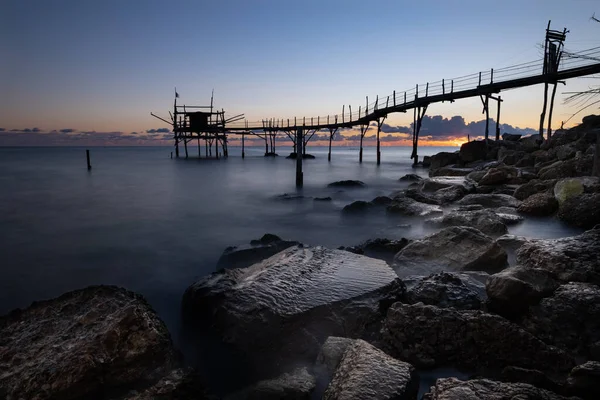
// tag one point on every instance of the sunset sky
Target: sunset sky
(95, 69)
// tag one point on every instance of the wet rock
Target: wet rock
(428, 336)
(540, 204)
(510, 157)
(381, 248)
(509, 218)
(583, 380)
(511, 291)
(411, 178)
(443, 159)
(454, 389)
(510, 244)
(571, 187)
(357, 207)
(296, 385)
(381, 201)
(582, 211)
(284, 308)
(293, 156)
(180, 384)
(331, 354)
(477, 175)
(500, 175)
(450, 171)
(289, 196)
(347, 184)
(452, 249)
(244, 256)
(506, 210)
(531, 143)
(569, 319)
(527, 160)
(490, 200)
(446, 289)
(95, 340)
(366, 372)
(328, 198)
(440, 196)
(486, 221)
(426, 161)
(534, 186)
(410, 207)
(581, 166)
(569, 259)
(511, 137)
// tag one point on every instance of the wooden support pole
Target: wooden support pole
(198, 146)
(343, 106)
(360, 153)
(243, 146)
(487, 117)
(479, 84)
(87, 155)
(543, 115)
(185, 146)
(427, 90)
(452, 86)
(551, 109)
(443, 87)
(394, 98)
(176, 147)
(350, 111)
(498, 119)
(299, 174)
(206, 145)
(331, 133)
(379, 125)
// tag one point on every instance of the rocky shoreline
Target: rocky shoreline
(521, 315)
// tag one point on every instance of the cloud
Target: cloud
(385, 128)
(159, 130)
(67, 130)
(2, 129)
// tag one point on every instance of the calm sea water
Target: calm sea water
(153, 224)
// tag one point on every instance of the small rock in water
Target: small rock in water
(357, 207)
(348, 184)
(411, 178)
(328, 198)
(409, 207)
(486, 221)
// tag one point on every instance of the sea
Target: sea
(154, 224)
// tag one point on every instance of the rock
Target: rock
(331, 354)
(244, 256)
(366, 372)
(477, 175)
(532, 377)
(456, 248)
(411, 178)
(450, 171)
(532, 187)
(510, 244)
(486, 221)
(509, 218)
(426, 161)
(569, 168)
(490, 200)
(381, 248)
(510, 157)
(531, 143)
(260, 309)
(293, 156)
(428, 336)
(511, 137)
(570, 187)
(180, 384)
(357, 207)
(454, 389)
(95, 340)
(296, 385)
(473, 151)
(409, 207)
(443, 159)
(568, 259)
(582, 211)
(328, 198)
(527, 160)
(347, 184)
(499, 175)
(446, 289)
(583, 380)
(438, 197)
(565, 152)
(381, 201)
(541, 204)
(569, 319)
(510, 292)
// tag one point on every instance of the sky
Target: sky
(94, 70)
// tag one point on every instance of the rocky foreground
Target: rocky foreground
(521, 315)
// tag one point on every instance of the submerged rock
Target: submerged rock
(381, 248)
(284, 308)
(357, 207)
(486, 221)
(446, 289)
(439, 191)
(100, 339)
(348, 184)
(411, 178)
(244, 256)
(429, 336)
(366, 372)
(575, 258)
(457, 248)
(490, 200)
(180, 384)
(455, 389)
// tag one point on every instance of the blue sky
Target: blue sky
(104, 65)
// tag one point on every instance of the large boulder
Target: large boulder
(331, 354)
(583, 380)
(282, 309)
(490, 200)
(295, 385)
(404, 205)
(439, 191)
(578, 166)
(499, 175)
(541, 204)
(443, 159)
(445, 289)
(486, 221)
(258, 250)
(101, 339)
(179, 384)
(510, 292)
(450, 171)
(531, 143)
(428, 336)
(474, 151)
(511, 137)
(455, 389)
(569, 319)
(568, 259)
(571, 187)
(357, 207)
(366, 372)
(457, 248)
(582, 211)
(532, 187)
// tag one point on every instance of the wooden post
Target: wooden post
(171, 155)
(243, 147)
(360, 152)
(551, 109)
(596, 168)
(198, 146)
(498, 119)
(299, 174)
(343, 106)
(350, 111)
(185, 146)
(176, 147)
(206, 145)
(379, 125)
(487, 117)
(394, 98)
(443, 87)
(87, 155)
(543, 115)
(330, 139)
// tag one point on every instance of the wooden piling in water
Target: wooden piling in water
(87, 155)
(299, 156)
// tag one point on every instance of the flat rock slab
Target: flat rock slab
(457, 248)
(575, 258)
(428, 336)
(490, 200)
(477, 389)
(96, 340)
(486, 221)
(407, 206)
(366, 372)
(287, 305)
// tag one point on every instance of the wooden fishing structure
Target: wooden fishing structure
(212, 126)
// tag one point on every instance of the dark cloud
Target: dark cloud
(133, 133)
(159, 130)
(2, 129)
(67, 130)
(385, 128)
